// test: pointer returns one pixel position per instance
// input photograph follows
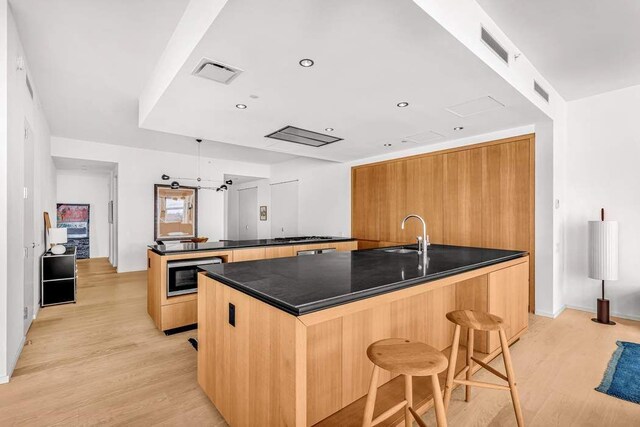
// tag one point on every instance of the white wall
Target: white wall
(93, 189)
(603, 172)
(4, 161)
(138, 171)
(19, 107)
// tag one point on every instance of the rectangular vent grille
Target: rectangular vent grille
(543, 93)
(29, 88)
(216, 71)
(494, 45)
(302, 136)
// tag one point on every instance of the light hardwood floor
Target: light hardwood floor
(102, 361)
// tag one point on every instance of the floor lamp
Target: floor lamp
(603, 260)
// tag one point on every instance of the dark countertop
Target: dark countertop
(177, 247)
(300, 285)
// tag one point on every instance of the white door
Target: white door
(29, 233)
(248, 213)
(284, 209)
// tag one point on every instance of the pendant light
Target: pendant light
(175, 184)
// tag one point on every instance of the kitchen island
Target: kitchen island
(284, 341)
(173, 310)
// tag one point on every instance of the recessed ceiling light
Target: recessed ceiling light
(387, 145)
(458, 128)
(306, 62)
(402, 104)
(241, 106)
(329, 129)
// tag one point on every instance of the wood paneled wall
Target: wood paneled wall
(480, 195)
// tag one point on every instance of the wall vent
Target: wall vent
(302, 136)
(540, 91)
(216, 71)
(29, 88)
(493, 44)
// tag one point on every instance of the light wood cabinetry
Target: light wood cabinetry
(280, 369)
(248, 254)
(480, 195)
(174, 312)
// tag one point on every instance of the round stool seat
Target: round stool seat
(403, 356)
(475, 320)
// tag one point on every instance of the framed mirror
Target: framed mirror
(176, 212)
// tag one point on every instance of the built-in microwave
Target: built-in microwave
(182, 276)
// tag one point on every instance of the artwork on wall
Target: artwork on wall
(263, 213)
(176, 213)
(75, 218)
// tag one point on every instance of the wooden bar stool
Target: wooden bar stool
(478, 320)
(409, 358)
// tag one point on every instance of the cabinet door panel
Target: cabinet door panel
(463, 198)
(423, 183)
(509, 299)
(365, 198)
(506, 196)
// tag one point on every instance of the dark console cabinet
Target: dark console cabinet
(58, 278)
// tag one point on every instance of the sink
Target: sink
(400, 251)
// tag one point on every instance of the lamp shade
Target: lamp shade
(603, 250)
(57, 235)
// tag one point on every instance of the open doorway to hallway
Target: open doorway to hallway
(87, 205)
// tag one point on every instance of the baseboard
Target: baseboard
(549, 314)
(5, 378)
(613, 313)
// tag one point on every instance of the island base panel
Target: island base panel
(287, 370)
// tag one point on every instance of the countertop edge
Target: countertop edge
(345, 299)
(230, 248)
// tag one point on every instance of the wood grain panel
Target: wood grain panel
(248, 371)
(424, 197)
(359, 330)
(278, 252)
(481, 195)
(473, 294)
(180, 314)
(365, 199)
(463, 198)
(508, 298)
(324, 369)
(252, 254)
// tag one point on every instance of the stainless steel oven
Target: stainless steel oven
(316, 251)
(182, 276)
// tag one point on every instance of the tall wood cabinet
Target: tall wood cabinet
(480, 195)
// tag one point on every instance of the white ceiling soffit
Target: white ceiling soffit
(582, 47)
(393, 52)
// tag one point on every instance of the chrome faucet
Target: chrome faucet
(422, 240)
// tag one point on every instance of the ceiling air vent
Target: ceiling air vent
(494, 45)
(302, 136)
(216, 71)
(423, 137)
(543, 93)
(475, 106)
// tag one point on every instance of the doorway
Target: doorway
(248, 213)
(28, 227)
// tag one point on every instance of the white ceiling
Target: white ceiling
(583, 47)
(89, 60)
(369, 55)
(85, 166)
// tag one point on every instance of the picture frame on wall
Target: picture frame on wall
(175, 212)
(263, 213)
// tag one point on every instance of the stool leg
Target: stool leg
(511, 378)
(371, 398)
(451, 372)
(408, 395)
(467, 389)
(441, 415)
